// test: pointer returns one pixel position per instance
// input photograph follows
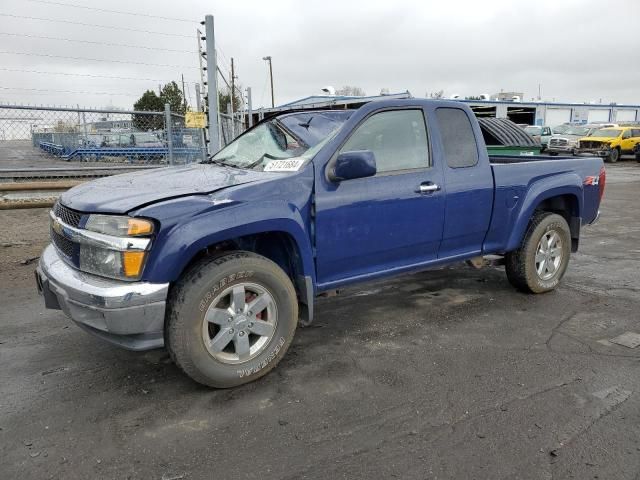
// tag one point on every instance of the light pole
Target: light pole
(268, 59)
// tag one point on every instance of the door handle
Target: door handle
(428, 187)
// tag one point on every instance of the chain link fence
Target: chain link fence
(46, 136)
(230, 128)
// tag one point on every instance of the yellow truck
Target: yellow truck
(610, 143)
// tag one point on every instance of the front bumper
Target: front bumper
(561, 149)
(598, 152)
(128, 314)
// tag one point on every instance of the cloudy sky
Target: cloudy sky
(466, 47)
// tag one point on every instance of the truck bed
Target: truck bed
(520, 180)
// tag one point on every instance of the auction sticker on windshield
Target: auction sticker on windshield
(289, 165)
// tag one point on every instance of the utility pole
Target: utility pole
(212, 85)
(268, 59)
(184, 97)
(203, 142)
(233, 80)
(249, 108)
(231, 108)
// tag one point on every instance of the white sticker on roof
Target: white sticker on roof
(289, 165)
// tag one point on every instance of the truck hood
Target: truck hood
(122, 193)
(598, 139)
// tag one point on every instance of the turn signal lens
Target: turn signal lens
(137, 226)
(132, 263)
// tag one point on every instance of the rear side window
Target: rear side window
(635, 132)
(397, 138)
(458, 140)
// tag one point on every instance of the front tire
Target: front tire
(542, 259)
(231, 319)
(614, 155)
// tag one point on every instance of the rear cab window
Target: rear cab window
(459, 143)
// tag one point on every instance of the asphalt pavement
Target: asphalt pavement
(444, 374)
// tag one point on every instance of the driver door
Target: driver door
(371, 226)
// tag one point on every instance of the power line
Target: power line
(67, 91)
(94, 25)
(97, 59)
(111, 77)
(48, 2)
(96, 43)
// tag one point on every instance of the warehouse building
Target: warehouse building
(530, 113)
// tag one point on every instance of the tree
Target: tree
(351, 91)
(224, 98)
(172, 95)
(152, 102)
(148, 102)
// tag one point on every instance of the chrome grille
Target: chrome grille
(558, 142)
(68, 216)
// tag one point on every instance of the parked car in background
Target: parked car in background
(541, 133)
(219, 261)
(566, 142)
(636, 151)
(610, 143)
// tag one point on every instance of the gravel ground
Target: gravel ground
(443, 374)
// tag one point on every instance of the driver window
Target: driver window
(397, 138)
(626, 134)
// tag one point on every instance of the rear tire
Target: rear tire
(231, 319)
(542, 259)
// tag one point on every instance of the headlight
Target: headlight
(118, 262)
(119, 225)
(111, 263)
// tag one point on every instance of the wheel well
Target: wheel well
(279, 247)
(567, 207)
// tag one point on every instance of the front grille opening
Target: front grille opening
(68, 216)
(64, 245)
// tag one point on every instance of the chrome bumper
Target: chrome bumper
(598, 152)
(560, 148)
(128, 314)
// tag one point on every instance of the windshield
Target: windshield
(606, 132)
(273, 140)
(561, 128)
(576, 131)
(533, 130)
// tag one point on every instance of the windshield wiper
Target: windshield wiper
(218, 161)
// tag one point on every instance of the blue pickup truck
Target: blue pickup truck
(220, 261)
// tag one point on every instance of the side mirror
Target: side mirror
(350, 165)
